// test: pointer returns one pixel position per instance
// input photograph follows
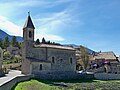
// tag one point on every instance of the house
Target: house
(105, 62)
(46, 61)
(103, 57)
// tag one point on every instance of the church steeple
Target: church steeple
(28, 30)
(29, 23)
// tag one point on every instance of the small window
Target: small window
(30, 34)
(53, 60)
(71, 60)
(40, 67)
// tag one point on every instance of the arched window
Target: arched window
(40, 67)
(71, 60)
(30, 34)
(53, 60)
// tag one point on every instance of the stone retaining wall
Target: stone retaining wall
(107, 76)
(67, 76)
(11, 83)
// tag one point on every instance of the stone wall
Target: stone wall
(63, 76)
(38, 53)
(25, 66)
(62, 59)
(13, 82)
(107, 76)
(46, 67)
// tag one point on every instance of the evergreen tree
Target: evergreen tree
(1, 43)
(37, 42)
(6, 42)
(14, 41)
(43, 40)
(48, 42)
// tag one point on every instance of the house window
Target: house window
(71, 60)
(53, 60)
(40, 67)
(30, 34)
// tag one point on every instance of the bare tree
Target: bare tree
(84, 56)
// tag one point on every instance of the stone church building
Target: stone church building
(44, 60)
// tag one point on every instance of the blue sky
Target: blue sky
(92, 23)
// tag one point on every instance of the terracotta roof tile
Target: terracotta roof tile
(55, 46)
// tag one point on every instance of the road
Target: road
(12, 74)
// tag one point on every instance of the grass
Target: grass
(34, 85)
(83, 84)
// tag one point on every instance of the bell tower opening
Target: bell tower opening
(30, 34)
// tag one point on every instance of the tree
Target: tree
(43, 40)
(19, 45)
(6, 42)
(84, 56)
(14, 42)
(37, 42)
(48, 42)
(1, 43)
(6, 55)
(17, 58)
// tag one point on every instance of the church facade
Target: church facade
(44, 60)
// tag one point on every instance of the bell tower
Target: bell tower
(28, 31)
(28, 36)
(28, 40)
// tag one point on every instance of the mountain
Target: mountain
(73, 45)
(90, 51)
(4, 34)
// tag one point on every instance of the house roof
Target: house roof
(31, 59)
(105, 55)
(29, 23)
(54, 46)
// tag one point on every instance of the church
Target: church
(46, 61)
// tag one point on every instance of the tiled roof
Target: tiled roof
(54, 46)
(31, 59)
(105, 55)
(29, 23)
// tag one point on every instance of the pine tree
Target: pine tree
(37, 42)
(6, 42)
(14, 41)
(43, 40)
